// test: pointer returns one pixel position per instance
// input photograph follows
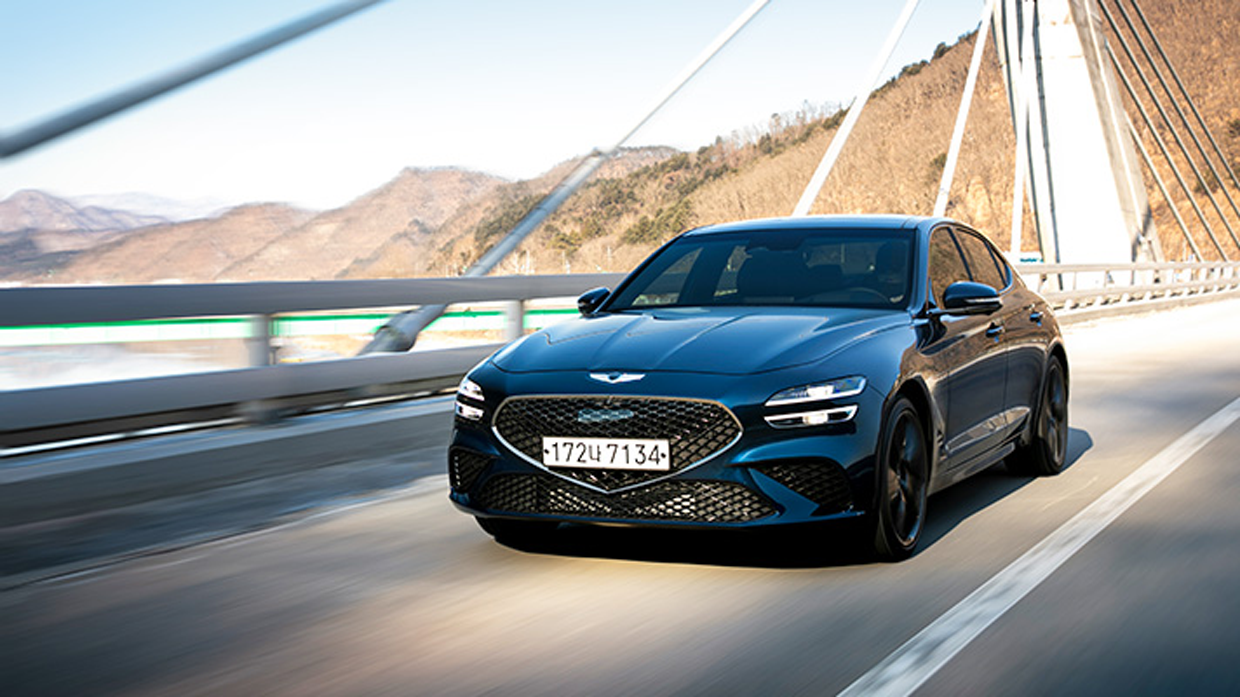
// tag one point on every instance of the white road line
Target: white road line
(921, 657)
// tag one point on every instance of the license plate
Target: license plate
(608, 453)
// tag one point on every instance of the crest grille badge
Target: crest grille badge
(616, 377)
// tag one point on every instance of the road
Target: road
(401, 594)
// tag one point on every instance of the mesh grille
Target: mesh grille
(689, 501)
(464, 466)
(694, 430)
(824, 483)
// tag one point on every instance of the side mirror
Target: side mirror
(591, 300)
(968, 298)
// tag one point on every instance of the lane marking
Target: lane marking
(921, 657)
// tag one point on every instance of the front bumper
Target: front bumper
(764, 477)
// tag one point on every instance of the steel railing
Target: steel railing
(38, 415)
(263, 391)
(1085, 290)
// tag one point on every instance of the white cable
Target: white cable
(854, 112)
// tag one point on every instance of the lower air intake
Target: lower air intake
(824, 483)
(464, 466)
(685, 501)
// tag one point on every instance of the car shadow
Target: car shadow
(954, 505)
(832, 544)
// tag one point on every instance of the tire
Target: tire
(1046, 454)
(903, 476)
(508, 530)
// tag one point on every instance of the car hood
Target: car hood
(731, 341)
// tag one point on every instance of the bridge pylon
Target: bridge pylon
(1075, 157)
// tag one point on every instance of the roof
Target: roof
(818, 222)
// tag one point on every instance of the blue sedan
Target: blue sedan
(770, 372)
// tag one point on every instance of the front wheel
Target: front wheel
(903, 479)
(1047, 450)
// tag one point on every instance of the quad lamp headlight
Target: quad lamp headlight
(469, 391)
(817, 399)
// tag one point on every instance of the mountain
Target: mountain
(892, 162)
(172, 210)
(404, 210)
(191, 251)
(36, 210)
(254, 242)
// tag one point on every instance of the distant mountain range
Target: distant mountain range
(391, 231)
(35, 210)
(171, 209)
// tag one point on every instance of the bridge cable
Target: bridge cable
(99, 109)
(1187, 97)
(1019, 60)
(1167, 120)
(854, 112)
(1162, 146)
(400, 332)
(1162, 187)
(962, 114)
(1183, 118)
(1117, 118)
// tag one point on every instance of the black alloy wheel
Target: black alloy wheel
(903, 477)
(1047, 451)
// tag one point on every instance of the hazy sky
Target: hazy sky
(510, 88)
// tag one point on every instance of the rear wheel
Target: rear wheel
(508, 530)
(903, 477)
(1047, 451)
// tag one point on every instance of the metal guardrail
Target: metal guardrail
(1097, 289)
(264, 391)
(32, 416)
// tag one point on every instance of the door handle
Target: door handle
(994, 330)
(1036, 317)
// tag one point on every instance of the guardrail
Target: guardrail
(1081, 291)
(265, 391)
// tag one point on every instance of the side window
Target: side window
(946, 266)
(1005, 269)
(665, 288)
(981, 262)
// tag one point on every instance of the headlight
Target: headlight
(469, 391)
(467, 412)
(813, 418)
(829, 391)
(817, 392)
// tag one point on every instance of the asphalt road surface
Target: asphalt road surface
(401, 594)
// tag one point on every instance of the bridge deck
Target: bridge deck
(402, 594)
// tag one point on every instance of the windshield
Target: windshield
(829, 268)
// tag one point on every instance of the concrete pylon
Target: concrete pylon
(1082, 173)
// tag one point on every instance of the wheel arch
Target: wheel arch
(916, 392)
(1058, 351)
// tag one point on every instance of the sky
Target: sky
(509, 88)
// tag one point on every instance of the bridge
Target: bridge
(285, 528)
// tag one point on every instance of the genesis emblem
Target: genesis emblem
(615, 378)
